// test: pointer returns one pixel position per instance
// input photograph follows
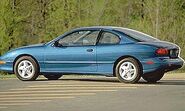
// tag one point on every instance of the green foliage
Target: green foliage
(24, 22)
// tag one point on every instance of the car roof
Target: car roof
(98, 27)
(104, 27)
(95, 28)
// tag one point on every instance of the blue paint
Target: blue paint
(101, 60)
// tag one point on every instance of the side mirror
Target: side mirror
(57, 44)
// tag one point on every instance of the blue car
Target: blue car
(99, 50)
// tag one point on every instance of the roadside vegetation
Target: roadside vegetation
(24, 22)
(6, 76)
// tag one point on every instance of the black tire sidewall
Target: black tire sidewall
(138, 70)
(52, 76)
(30, 59)
(153, 77)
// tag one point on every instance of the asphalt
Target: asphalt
(93, 93)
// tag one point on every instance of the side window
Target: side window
(108, 38)
(80, 38)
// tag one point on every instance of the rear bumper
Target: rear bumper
(162, 64)
(171, 67)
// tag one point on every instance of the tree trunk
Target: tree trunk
(11, 29)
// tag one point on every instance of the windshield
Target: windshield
(139, 36)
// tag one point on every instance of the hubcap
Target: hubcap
(26, 69)
(127, 71)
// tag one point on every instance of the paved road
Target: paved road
(92, 94)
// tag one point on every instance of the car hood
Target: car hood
(30, 46)
(160, 44)
(34, 45)
(30, 50)
(25, 47)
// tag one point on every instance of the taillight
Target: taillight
(162, 51)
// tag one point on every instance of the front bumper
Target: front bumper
(162, 64)
(2, 62)
(6, 66)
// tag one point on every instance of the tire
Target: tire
(128, 70)
(26, 69)
(153, 77)
(52, 76)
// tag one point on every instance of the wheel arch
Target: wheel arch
(123, 57)
(26, 55)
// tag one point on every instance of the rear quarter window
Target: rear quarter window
(108, 38)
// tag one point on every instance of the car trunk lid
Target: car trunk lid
(173, 49)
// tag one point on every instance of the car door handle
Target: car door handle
(89, 50)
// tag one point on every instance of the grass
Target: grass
(7, 76)
(10, 76)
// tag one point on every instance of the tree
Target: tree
(24, 22)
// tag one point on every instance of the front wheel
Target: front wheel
(52, 76)
(153, 77)
(26, 68)
(128, 70)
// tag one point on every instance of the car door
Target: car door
(107, 51)
(77, 53)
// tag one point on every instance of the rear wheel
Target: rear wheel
(26, 68)
(153, 77)
(52, 76)
(128, 70)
